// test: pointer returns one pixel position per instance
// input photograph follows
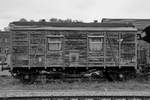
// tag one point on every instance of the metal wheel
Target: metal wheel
(114, 76)
(121, 76)
(27, 78)
(15, 75)
(111, 76)
(129, 74)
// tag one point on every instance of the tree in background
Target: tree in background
(22, 20)
(56, 20)
(53, 20)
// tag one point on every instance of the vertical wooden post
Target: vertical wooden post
(136, 50)
(11, 53)
(29, 39)
(105, 49)
(45, 52)
(28, 36)
(119, 50)
(87, 64)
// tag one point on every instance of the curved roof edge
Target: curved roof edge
(79, 24)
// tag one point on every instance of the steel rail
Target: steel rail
(78, 98)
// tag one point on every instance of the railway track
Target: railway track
(80, 98)
(74, 95)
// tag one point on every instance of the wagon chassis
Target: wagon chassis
(29, 76)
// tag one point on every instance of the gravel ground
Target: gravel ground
(35, 93)
(9, 83)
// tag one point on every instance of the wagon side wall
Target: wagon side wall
(74, 49)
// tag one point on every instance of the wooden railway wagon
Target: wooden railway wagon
(81, 49)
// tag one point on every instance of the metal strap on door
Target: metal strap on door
(113, 53)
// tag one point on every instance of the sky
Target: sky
(84, 10)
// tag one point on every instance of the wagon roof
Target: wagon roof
(140, 24)
(70, 26)
(78, 24)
